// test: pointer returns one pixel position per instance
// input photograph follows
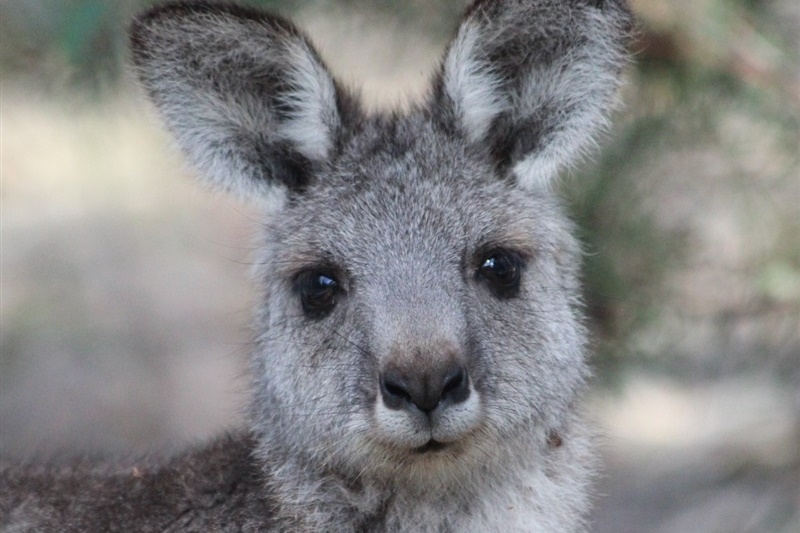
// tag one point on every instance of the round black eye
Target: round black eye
(318, 291)
(502, 269)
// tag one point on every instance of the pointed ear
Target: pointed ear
(532, 81)
(248, 98)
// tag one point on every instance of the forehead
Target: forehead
(406, 189)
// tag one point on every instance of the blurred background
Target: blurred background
(126, 297)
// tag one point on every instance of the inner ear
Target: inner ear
(296, 171)
(509, 140)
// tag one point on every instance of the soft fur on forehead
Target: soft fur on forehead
(405, 180)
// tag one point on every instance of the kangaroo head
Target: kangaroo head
(421, 308)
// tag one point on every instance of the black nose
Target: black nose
(424, 389)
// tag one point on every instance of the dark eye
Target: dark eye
(502, 270)
(318, 291)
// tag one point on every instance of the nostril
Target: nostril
(453, 381)
(394, 391)
(456, 385)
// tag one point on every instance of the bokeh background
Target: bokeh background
(125, 287)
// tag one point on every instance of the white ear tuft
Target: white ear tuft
(312, 95)
(475, 90)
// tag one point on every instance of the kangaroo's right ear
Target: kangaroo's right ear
(245, 93)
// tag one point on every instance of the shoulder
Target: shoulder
(214, 486)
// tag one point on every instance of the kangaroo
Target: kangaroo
(420, 349)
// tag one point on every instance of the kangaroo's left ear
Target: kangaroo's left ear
(533, 81)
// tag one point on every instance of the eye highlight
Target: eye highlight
(317, 290)
(501, 270)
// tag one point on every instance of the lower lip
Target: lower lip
(432, 447)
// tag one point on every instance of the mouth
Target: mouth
(432, 446)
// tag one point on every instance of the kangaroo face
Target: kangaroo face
(419, 312)
(418, 306)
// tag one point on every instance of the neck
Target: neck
(538, 485)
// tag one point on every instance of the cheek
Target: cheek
(324, 365)
(528, 357)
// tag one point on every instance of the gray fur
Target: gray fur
(403, 211)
